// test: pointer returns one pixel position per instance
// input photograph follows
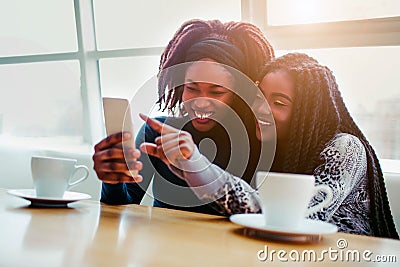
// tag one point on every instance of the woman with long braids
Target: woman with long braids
(315, 135)
(320, 137)
(202, 94)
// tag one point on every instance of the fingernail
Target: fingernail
(144, 117)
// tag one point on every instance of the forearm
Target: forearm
(228, 194)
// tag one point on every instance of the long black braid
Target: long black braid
(319, 113)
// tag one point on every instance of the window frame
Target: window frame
(367, 32)
(88, 57)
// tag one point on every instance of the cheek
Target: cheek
(223, 104)
(226, 100)
(285, 117)
(186, 96)
(282, 121)
(280, 118)
(186, 101)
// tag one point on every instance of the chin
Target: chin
(203, 127)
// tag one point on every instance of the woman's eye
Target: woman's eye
(192, 89)
(279, 103)
(218, 93)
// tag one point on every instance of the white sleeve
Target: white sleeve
(344, 167)
(227, 193)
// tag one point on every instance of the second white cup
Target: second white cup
(285, 197)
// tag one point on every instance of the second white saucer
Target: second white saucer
(308, 227)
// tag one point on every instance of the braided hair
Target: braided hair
(318, 114)
(239, 45)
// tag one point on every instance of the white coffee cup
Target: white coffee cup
(285, 197)
(53, 176)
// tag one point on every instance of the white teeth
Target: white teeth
(203, 115)
(266, 123)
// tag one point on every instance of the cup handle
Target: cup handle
(328, 198)
(80, 179)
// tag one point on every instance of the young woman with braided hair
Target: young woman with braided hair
(202, 93)
(315, 135)
(321, 138)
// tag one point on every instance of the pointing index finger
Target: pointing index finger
(161, 128)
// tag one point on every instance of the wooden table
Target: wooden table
(91, 234)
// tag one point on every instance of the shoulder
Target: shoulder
(346, 138)
(344, 153)
(344, 144)
(344, 164)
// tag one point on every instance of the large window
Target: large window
(57, 58)
(39, 97)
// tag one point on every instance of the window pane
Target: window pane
(133, 78)
(284, 12)
(367, 80)
(41, 99)
(133, 24)
(122, 77)
(37, 27)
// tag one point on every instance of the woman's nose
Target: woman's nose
(201, 102)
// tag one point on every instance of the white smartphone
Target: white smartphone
(118, 118)
(117, 115)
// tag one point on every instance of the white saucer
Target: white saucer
(308, 231)
(30, 194)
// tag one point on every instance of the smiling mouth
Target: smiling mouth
(203, 115)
